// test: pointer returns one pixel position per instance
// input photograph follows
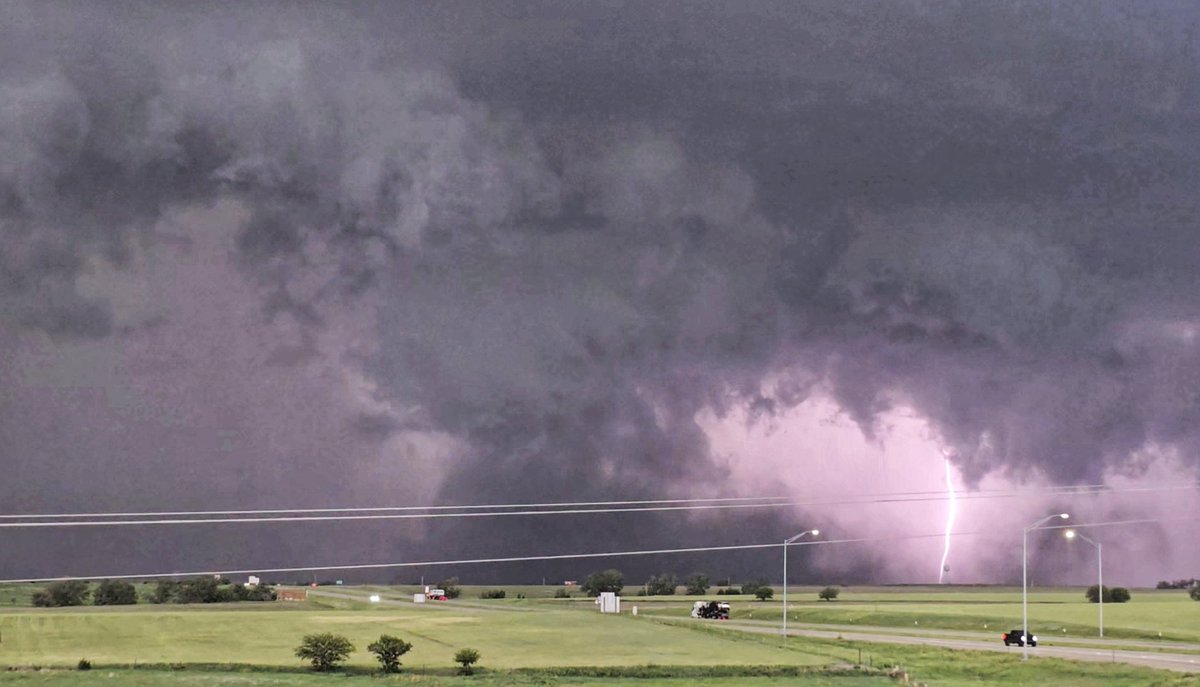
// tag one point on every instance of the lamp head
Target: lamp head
(816, 532)
(1069, 534)
(1064, 516)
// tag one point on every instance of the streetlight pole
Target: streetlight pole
(1025, 580)
(1072, 534)
(785, 578)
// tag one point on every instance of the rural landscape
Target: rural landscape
(553, 635)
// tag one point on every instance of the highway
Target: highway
(1187, 663)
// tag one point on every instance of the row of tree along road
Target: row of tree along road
(121, 593)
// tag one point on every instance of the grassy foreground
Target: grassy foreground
(545, 641)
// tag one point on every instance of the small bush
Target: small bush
(562, 593)
(1194, 593)
(764, 593)
(324, 650)
(828, 594)
(84, 664)
(492, 594)
(697, 584)
(753, 586)
(114, 593)
(66, 593)
(1115, 595)
(388, 650)
(450, 586)
(661, 585)
(466, 658)
(610, 580)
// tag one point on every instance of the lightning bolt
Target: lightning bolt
(950, 515)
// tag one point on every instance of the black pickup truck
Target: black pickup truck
(1014, 637)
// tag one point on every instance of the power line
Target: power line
(567, 556)
(402, 512)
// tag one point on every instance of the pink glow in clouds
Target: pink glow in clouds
(816, 453)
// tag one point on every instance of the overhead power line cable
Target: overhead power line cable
(565, 556)
(389, 514)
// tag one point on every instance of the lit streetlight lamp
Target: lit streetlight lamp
(1072, 534)
(786, 542)
(1025, 580)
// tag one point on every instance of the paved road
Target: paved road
(1178, 662)
(1051, 639)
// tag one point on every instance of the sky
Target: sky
(303, 255)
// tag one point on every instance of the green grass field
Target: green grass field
(1169, 615)
(547, 641)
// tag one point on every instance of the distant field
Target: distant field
(268, 636)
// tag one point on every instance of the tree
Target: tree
(388, 650)
(466, 657)
(753, 586)
(324, 650)
(697, 584)
(763, 593)
(610, 580)
(114, 593)
(661, 585)
(165, 592)
(493, 594)
(1194, 592)
(828, 594)
(67, 593)
(450, 586)
(1115, 595)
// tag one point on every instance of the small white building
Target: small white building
(253, 580)
(609, 602)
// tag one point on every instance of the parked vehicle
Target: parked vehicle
(1013, 637)
(710, 610)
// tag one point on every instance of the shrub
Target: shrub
(324, 650)
(388, 650)
(114, 593)
(450, 586)
(661, 585)
(1194, 593)
(764, 593)
(84, 664)
(753, 586)
(697, 584)
(610, 580)
(466, 657)
(828, 594)
(1111, 594)
(67, 593)
(164, 592)
(562, 593)
(492, 594)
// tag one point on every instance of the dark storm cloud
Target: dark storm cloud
(552, 234)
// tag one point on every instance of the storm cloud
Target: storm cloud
(323, 254)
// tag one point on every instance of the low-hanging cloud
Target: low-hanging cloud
(506, 252)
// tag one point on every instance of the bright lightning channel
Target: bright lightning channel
(951, 512)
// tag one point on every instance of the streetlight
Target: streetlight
(1025, 580)
(1071, 534)
(785, 547)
